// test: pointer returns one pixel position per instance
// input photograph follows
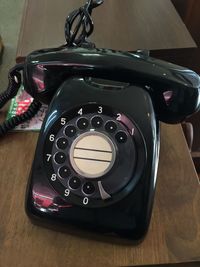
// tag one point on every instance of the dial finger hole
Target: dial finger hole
(64, 172)
(60, 158)
(74, 183)
(82, 123)
(111, 126)
(70, 131)
(62, 143)
(88, 188)
(121, 137)
(97, 122)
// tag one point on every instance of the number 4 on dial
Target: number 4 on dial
(80, 112)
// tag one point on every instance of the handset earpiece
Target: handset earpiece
(174, 106)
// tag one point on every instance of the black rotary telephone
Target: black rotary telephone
(96, 160)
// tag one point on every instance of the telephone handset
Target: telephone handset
(174, 89)
(96, 160)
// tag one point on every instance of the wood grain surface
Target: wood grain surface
(119, 24)
(174, 234)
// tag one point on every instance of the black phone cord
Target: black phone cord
(14, 78)
(15, 82)
(79, 25)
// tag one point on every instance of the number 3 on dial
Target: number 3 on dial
(100, 110)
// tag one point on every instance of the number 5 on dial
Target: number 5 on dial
(63, 121)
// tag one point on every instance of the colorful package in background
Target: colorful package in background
(19, 105)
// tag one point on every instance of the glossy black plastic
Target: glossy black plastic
(130, 215)
(175, 91)
(145, 89)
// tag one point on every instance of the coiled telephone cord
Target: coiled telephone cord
(79, 25)
(15, 81)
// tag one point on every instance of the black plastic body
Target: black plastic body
(174, 90)
(128, 217)
(146, 90)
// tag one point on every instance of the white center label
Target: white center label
(92, 154)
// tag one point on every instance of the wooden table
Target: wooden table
(119, 24)
(174, 234)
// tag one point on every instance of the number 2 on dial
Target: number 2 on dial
(119, 117)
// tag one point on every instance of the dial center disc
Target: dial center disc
(92, 154)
